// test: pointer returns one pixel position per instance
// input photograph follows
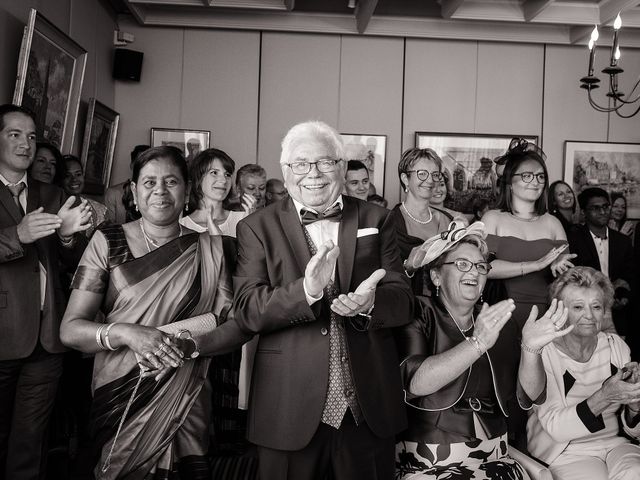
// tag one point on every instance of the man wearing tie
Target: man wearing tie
(320, 279)
(31, 298)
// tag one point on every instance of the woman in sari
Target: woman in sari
(163, 289)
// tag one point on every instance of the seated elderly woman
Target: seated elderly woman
(461, 365)
(591, 384)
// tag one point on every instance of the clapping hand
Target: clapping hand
(248, 203)
(618, 390)
(362, 299)
(562, 264)
(320, 268)
(74, 219)
(36, 225)
(538, 333)
(490, 321)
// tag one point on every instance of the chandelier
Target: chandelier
(617, 99)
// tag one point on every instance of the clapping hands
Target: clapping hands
(538, 333)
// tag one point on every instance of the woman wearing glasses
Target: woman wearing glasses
(419, 171)
(460, 366)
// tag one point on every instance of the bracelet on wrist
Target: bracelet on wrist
(107, 342)
(526, 348)
(477, 344)
(632, 411)
(404, 266)
(99, 337)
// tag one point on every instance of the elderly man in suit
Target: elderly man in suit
(32, 246)
(320, 279)
(599, 247)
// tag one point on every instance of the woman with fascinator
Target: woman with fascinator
(529, 244)
(461, 365)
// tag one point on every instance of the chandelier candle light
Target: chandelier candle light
(590, 82)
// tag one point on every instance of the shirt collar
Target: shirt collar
(299, 206)
(7, 182)
(596, 237)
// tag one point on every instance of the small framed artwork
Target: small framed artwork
(49, 80)
(614, 167)
(189, 142)
(370, 150)
(99, 145)
(468, 164)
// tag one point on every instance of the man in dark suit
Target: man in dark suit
(603, 249)
(320, 279)
(32, 302)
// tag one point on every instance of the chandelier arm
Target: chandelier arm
(597, 107)
(627, 102)
(630, 115)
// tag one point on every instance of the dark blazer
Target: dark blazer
(620, 252)
(20, 324)
(290, 371)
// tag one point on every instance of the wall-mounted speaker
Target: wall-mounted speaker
(127, 64)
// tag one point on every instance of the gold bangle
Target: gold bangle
(404, 266)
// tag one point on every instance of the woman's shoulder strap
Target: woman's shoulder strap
(119, 251)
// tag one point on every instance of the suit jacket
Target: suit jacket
(20, 322)
(290, 371)
(620, 252)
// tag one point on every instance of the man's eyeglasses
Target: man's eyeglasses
(463, 265)
(325, 165)
(527, 177)
(599, 208)
(424, 175)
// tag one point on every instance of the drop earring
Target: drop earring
(136, 206)
(437, 290)
(481, 299)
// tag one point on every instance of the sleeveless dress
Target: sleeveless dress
(533, 288)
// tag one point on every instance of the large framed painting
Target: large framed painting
(189, 142)
(615, 167)
(49, 80)
(468, 164)
(370, 150)
(99, 145)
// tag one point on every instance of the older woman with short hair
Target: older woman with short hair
(419, 171)
(591, 385)
(461, 365)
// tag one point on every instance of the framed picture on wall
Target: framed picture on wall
(614, 167)
(99, 145)
(370, 150)
(49, 80)
(468, 164)
(190, 142)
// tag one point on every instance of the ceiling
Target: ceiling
(531, 21)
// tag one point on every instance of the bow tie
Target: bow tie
(333, 214)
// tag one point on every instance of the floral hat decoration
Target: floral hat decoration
(519, 147)
(445, 241)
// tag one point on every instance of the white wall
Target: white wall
(89, 22)
(248, 88)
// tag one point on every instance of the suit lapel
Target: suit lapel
(6, 199)
(347, 243)
(293, 232)
(592, 248)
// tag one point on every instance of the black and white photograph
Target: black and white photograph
(189, 142)
(370, 150)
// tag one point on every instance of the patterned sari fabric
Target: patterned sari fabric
(167, 421)
(477, 460)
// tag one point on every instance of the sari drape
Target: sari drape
(167, 420)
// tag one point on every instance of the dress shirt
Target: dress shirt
(22, 198)
(320, 232)
(602, 247)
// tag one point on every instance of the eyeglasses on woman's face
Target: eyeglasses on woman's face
(324, 165)
(424, 175)
(527, 177)
(464, 265)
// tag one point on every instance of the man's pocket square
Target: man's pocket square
(363, 232)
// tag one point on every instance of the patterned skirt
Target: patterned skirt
(477, 460)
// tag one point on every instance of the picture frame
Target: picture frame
(49, 80)
(98, 147)
(371, 150)
(468, 162)
(612, 166)
(190, 142)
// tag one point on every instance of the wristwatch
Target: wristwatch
(190, 346)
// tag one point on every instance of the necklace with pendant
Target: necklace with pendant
(150, 241)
